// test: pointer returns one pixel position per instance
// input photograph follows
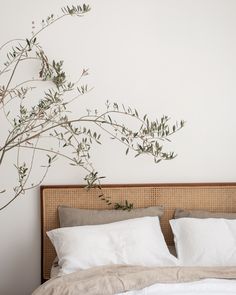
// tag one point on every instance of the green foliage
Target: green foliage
(126, 207)
(76, 10)
(49, 117)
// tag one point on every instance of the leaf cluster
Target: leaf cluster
(125, 207)
(77, 10)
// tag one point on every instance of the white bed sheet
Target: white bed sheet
(202, 287)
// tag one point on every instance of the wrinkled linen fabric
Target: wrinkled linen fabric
(115, 279)
(201, 242)
(137, 241)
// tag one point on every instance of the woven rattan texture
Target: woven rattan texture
(217, 198)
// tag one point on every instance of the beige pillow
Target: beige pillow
(180, 213)
(75, 217)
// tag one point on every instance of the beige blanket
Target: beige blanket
(108, 280)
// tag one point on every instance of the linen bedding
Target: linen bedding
(140, 242)
(138, 280)
(137, 241)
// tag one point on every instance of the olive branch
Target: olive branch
(46, 125)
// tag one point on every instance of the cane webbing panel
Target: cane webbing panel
(211, 197)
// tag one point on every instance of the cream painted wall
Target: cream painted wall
(161, 56)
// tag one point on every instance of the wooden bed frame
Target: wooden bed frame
(215, 197)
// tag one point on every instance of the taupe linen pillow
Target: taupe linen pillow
(180, 213)
(75, 216)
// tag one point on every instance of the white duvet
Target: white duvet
(202, 287)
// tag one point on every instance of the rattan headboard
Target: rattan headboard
(215, 197)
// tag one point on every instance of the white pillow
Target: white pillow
(136, 241)
(205, 242)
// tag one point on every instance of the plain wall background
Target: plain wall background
(161, 56)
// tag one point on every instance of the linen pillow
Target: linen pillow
(74, 216)
(180, 213)
(205, 242)
(136, 241)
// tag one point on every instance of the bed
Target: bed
(214, 197)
